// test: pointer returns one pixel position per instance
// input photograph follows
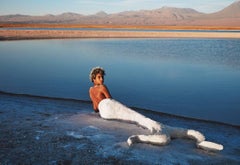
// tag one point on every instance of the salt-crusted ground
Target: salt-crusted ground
(11, 34)
(37, 130)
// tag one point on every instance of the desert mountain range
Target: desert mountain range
(229, 16)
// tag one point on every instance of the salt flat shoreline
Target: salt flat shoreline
(37, 130)
(67, 34)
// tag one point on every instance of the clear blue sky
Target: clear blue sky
(42, 7)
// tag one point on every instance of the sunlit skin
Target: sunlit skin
(98, 92)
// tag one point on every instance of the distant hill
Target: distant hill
(229, 16)
(232, 11)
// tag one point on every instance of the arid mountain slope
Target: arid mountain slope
(229, 16)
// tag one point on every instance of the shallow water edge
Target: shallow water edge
(147, 112)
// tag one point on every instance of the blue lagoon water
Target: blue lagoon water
(197, 78)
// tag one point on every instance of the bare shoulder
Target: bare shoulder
(105, 91)
(104, 87)
(90, 89)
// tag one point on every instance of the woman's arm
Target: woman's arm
(106, 92)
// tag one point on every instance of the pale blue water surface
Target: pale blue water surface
(197, 78)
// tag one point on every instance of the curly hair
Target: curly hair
(95, 71)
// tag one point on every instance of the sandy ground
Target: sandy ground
(52, 131)
(58, 34)
(112, 26)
